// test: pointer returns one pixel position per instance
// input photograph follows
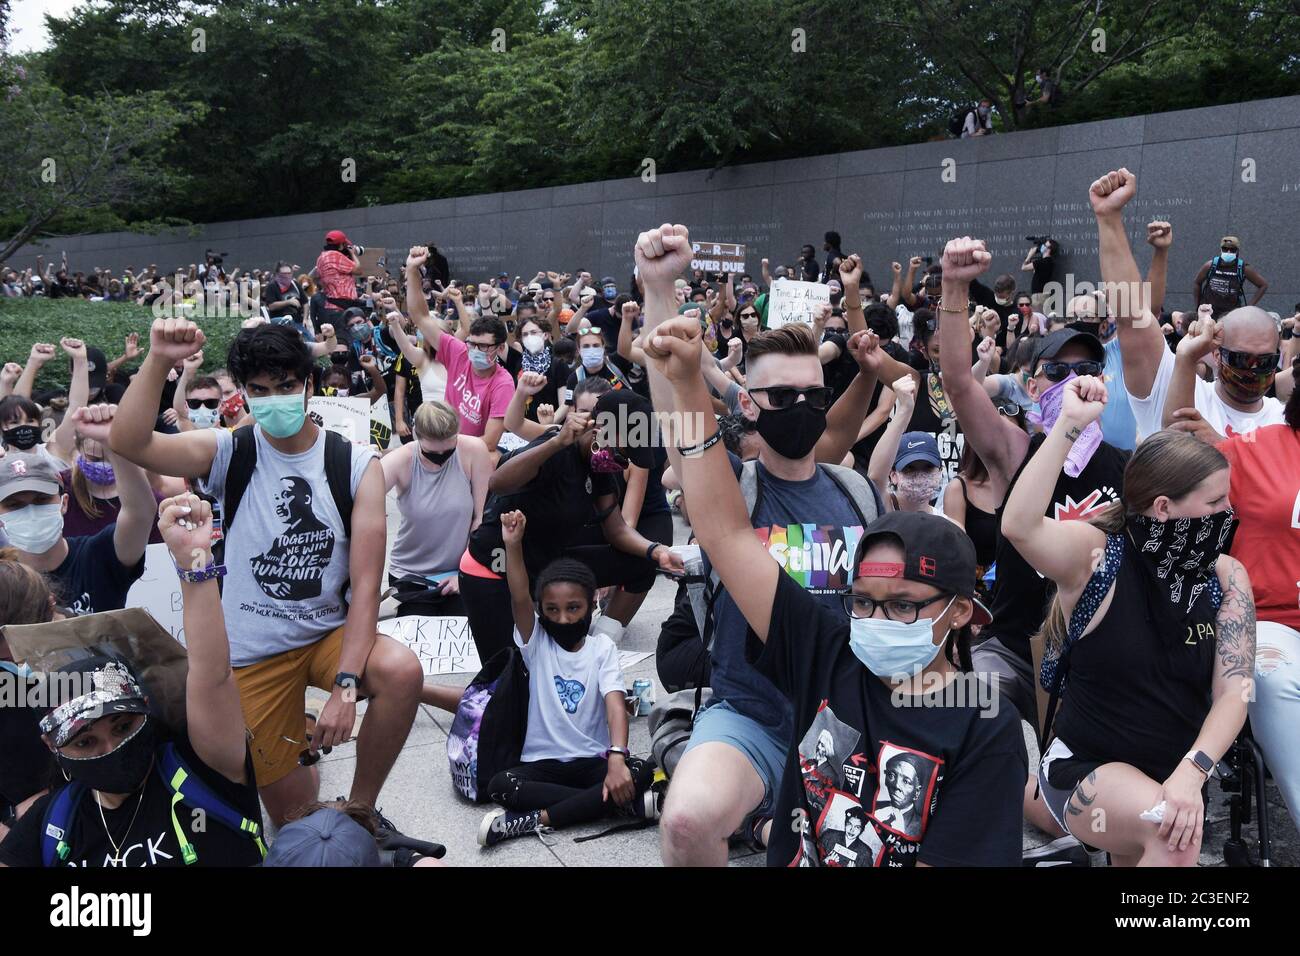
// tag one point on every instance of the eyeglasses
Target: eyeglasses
(1057, 371)
(896, 609)
(1250, 361)
(196, 403)
(484, 347)
(784, 396)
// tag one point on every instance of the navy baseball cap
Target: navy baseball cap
(327, 837)
(917, 446)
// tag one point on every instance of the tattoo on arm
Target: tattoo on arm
(1236, 627)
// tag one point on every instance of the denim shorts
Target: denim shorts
(721, 723)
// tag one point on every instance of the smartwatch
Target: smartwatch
(618, 750)
(1201, 761)
(345, 680)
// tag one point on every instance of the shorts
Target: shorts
(1011, 674)
(1059, 774)
(721, 723)
(273, 696)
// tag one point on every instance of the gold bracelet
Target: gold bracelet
(852, 307)
(965, 311)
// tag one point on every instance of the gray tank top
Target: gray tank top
(436, 510)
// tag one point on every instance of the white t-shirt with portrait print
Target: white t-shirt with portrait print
(566, 695)
(1222, 417)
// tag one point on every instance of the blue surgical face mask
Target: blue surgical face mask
(1227, 256)
(593, 356)
(481, 360)
(34, 528)
(281, 416)
(610, 291)
(890, 649)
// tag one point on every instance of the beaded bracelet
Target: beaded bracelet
(704, 446)
(198, 577)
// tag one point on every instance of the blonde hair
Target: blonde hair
(436, 421)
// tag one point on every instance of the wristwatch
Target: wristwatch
(345, 680)
(1201, 761)
(618, 750)
(650, 551)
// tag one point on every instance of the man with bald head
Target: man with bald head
(1245, 360)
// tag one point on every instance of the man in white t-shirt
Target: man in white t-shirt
(1236, 402)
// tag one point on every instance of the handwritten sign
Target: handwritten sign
(718, 256)
(350, 417)
(158, 591)
(794, 301)
(381, 423)
(444, 645)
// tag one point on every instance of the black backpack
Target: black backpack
(491, 724)
(957, 121)
(243, 459)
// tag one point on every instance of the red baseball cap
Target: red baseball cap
(336, 237)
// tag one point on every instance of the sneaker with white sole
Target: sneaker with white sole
(1063, 851)
(500, 824)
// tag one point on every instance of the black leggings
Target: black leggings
(487, 600)
(568, 790)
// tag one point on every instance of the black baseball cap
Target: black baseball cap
(935, 551)
(97, 366)
(1053, 342)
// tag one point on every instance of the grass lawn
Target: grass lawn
(103, 325)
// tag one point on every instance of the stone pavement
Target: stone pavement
(420, 800)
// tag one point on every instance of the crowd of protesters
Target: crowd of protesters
(914, 520)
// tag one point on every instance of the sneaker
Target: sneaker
(648, 806)
(1063, 851)
(500, 824)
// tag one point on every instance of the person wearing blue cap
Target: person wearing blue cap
(916, 476)
(327, 837)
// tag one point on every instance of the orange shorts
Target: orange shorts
(273, 696)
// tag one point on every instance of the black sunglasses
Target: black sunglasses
(784, 396)
(1057, 371)
(1250, 361)
(196, 403)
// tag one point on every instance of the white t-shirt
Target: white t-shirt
(433, 382)
(1222, 417)
(566, 699)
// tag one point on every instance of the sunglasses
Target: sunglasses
(784, 396)
(1058, 371)
(1227, 248)
(1250, 361)
(197, 403)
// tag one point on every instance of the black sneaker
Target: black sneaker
(500, 824)
(648, 806)
(1063, 851)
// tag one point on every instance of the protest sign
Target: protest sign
(374, 261)
(350, 417)
(718, 256)
(158, 591)
(444, 645)
(381, 423)
(794, 301)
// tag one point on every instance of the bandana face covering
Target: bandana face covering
(1248, 386)
(606, 461)
(1180, 553)
(1089, 440)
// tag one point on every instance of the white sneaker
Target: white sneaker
(607, 625)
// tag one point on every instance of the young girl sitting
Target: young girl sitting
(577, 705)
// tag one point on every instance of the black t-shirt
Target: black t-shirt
(274, 294)
(838, 373)
(1021, 594)
(91, 578)
(953, 778)
(151, 839)
(26, 765)
(1044, 266)
(559, 503)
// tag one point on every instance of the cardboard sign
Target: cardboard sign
(374, 261)
(444, 645)
(795, 301)
(381, 423)
(350, 417)
(718, 256)
(158, 591)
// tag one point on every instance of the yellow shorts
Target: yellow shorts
(273, 695)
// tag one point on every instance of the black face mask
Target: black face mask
(791, 432)
(339, 358)
(1180, 554)
(568, 636)
(122, 771)
(22, 437)
(438, 457)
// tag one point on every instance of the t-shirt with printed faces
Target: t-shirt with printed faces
(287, 559)
(811, 529)
(1265, 493)
(566, 700)
(476, 398)
(151, 839)
(91, 579)
(1222, 417)
(939, 778)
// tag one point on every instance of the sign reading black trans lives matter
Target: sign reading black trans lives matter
(718, 256)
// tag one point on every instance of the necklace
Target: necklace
(116, 858)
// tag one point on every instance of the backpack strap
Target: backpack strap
(186, 787)
(862, 494)
(338, 473)
(243, 459)
(58, 821)
(1053, 672)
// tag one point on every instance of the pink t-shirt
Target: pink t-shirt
(335, 271)
(476, 398)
